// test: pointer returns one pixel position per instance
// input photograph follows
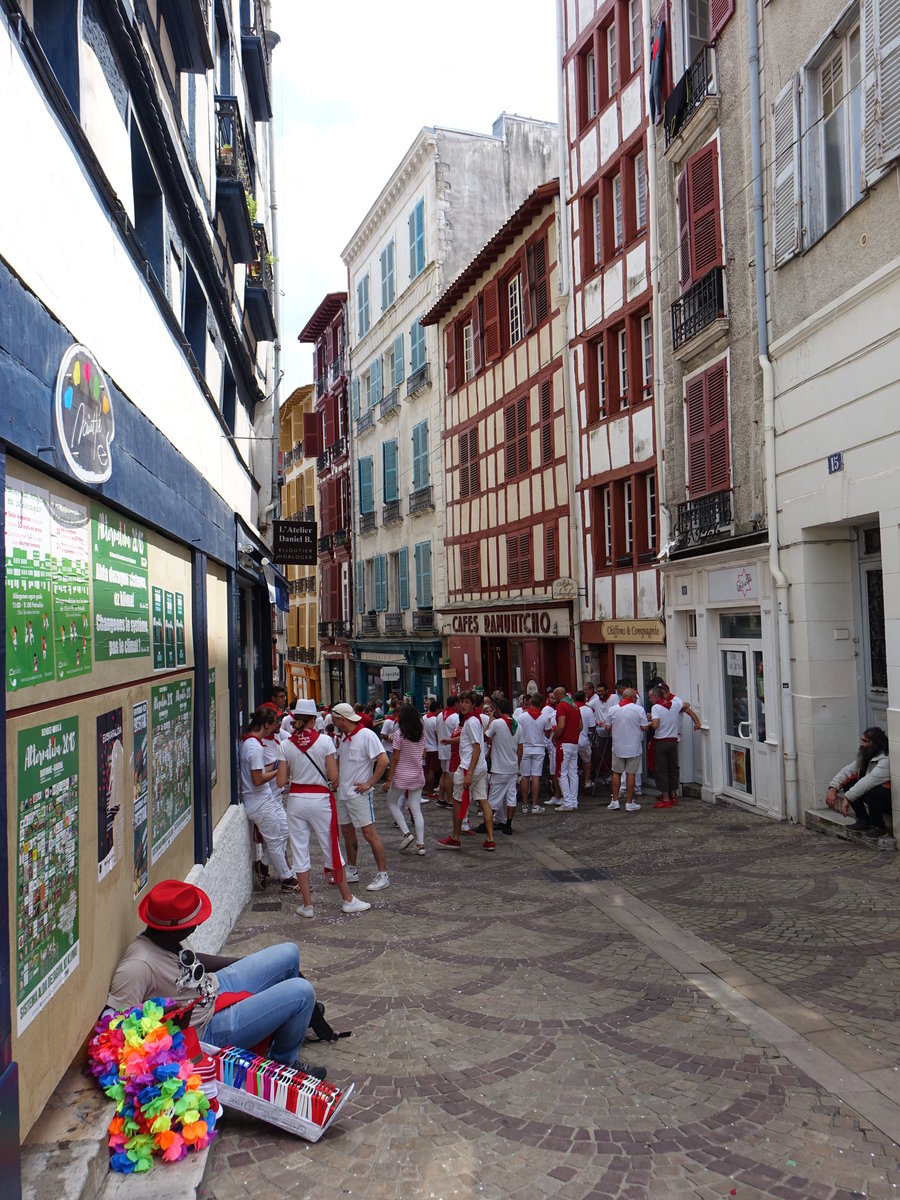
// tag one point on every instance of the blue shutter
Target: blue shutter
(397, 375)
(390, 471)
(423, 575)
(420, 455)
(412, 245)
(355, 398)
(380, 583)
(419, 222)
(416, 346)
(375, 392)
(403, 574)
(366, 486)
(360, 587)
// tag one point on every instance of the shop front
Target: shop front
(410, 668)
(513, 650)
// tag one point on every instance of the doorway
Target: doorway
(742, 673)
(872, 662)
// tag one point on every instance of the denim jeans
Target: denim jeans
(281, 1004)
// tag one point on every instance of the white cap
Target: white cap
(345, 711)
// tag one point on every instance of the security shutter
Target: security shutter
(786, 156)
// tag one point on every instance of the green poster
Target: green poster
(170, 773)
(71, 555)
(29, 638)
(139, 826)
(159, 642)
(170, 629)
(180, 657)
(213, 765)
(47, 846)
(121, 590)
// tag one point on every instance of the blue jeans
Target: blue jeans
(281, 1004)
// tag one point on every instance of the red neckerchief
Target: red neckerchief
(534, 713)
(623, 702)
(508, 721)
(448, 712)
(305, 739)
(356, 728)
(580, 704)
(667, 703)
(245, 737)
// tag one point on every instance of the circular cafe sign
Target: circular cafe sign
(84, 415)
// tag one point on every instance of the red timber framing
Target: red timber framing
(326, 437)
(614, 368)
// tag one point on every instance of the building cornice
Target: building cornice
(884, 278)
(424, 145)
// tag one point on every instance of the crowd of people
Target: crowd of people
(312, 773)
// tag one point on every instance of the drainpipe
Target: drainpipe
(563, 259)
(785, 691)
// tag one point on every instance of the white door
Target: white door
(744, 720)
(873, 660)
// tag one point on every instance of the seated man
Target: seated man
(238, 1001)
(865, 785)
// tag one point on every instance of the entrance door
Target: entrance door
(744, 712)
(873, 660)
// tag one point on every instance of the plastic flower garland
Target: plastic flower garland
(140, 1059)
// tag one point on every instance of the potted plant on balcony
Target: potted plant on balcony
(226, 155)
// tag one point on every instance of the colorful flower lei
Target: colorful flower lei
(140, 1060)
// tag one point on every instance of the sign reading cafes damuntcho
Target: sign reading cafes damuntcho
(513, 622)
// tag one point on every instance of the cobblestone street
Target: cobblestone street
(694, 1002)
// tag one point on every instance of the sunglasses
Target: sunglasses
(193, 969)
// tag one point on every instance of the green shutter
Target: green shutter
(403, 573)
(360, 587)
(355, 398)
(390, 471)
(380, 583)
(366, 486)
(398, 364)
(420, 455)
(423, 575)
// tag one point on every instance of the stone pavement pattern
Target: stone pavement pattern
(509, 1040)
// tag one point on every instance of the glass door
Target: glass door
(744, 720)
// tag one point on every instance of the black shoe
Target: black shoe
(309, 1069)
(506, 827)
(875, 831)
(482, 828)
(860, 825)
(260, 876)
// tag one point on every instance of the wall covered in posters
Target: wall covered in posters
(121, 591)
(110, 790)
(140, 824)
(171, 723)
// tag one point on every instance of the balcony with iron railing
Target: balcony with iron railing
(419, 379)
(323, 462)
(390, 512)
(259, 288)
(341, 537)
(339, 450)
(324, 628)
(234, 183)
(701, 310)
(255, 59)
(324, 543)
(309, 513)
(390, 404)
(692, 107)
(703, 518)
(366, 522)
(365, 422)
(321, 384)
(420, 500)
(187, 26)
(423, 620)
(287, 459)
(341, 629)
(336, 369)
(393, 622)
(369, 622)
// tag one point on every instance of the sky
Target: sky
(353, 83)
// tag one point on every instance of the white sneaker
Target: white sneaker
(306, 910)
(613, 804)
(406, 840)
(356, 905)
(379, 882)
(550, 801)
(536, 808)
(352, 874)
(632, 807)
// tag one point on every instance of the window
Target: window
(420, 455)
(651, 510)
(379, 564)
(618, 211)
(612, 58)
(640, 190)
(518, 557)
(223, 53)
(597, 226)
(602, 522)
(601, 377)
(56, 27)
(417, 240)
(622, 339)
(547, 454)
(374, 381)
(468, 463)
(195, 316)
(514, 298)
(590, 79)
(839, 88)
(416, 347)
(516, 434)
(397, 361)
(706, 401)
(470, 567)
(366, 485)
(700, 240)
(423, 575)
(390, 472)
(229, 397)
(387, 276)
(594, 381)
(647, 356)
(628, 513)
(362, 306)
(468, 348)
(551, 553)
(636, 32)
(148, 206)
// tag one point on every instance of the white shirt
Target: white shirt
(626, 721)
(669, 719)
(287, 726)
(472, 735)
(533, 735)
(357, 755)
(302, 770)
(430, 723)
(253, 758)
(504, 746)
(587, 719)
(596, 707)
(446, 727)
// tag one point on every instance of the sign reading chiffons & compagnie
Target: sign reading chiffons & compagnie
(512, 622)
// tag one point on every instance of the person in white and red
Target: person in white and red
(666, 719)
(565, 739)
(533, 725)
(504, 734)
(306, 761)
(470, 778)
(361, 763)
(260, 804)
(626, 722)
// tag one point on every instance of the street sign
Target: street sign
(389, 674)
(295, 542)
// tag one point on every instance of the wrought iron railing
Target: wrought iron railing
(259, 272)
(341, 537)
(324, 628)
(698, 307)
(232, 161)
(366, 522)
(393, 622)
(298, 449)
(340, 629)
(339, 449)
(370, 623)
(336, 369)
(687, 96)
(420, 499)
(703, 517)
(418, 379)
(287, 459)
(391, 512)
(310, 512)
(390, 403)
(366, 421)
(322, 383)
(322, 462)
(325, 543)
(423, 620)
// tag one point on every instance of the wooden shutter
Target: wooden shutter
(551, 566)
(312, 434)
(464, 465)
(512, 558)
(719, 13)
(420, 455)
(477, 346)
(684, 231)
(465, 574)
(786, 157)
(360, 587)
(522, 437)
(355, 391)
(525, 557)
(423, 575)
(525, 293)
(717, 425)
(546, 422)
(399, 363)
(490, 315)
(366, 486)
(881, 84)
(703, 206)
(390, 480)
(403, 577)
(450, 356)
(509, 432)
(538, 281)
(698, 475)
(331, 422)
(412, 244)
(380, 570)
(471, 439)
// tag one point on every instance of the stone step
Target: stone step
(826, 820)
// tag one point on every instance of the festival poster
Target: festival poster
(170, 629)
(140, 822)
(170, 774)
(47, 878)
(180, 654)
(110, 791)
(121, 592)
(213, 765)
(29, 581)
(159, 643)
(70, 542)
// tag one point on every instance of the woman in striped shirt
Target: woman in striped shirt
(406, 776)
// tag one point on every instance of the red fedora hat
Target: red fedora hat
(172, 905)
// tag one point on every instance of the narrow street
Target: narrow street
(695, 1002)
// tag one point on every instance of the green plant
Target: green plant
(251, 205)
(271, 260)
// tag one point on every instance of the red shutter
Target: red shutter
(312, 435)
(550, 564)
(525, 557)
(703, 204)
(719, 12)
(474, 474)
(525, 289)
(695, 399)
(450, 356)
(546, 422)
(477, 346)
(512, 558)
(522, 407)
(464, 465)
(539, 283)
(684, 225)
(331, 421)
(717, 425)
(491, 321)
(509, 432)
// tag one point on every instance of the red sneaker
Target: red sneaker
(663, 804)
(486, 845)
(449, 843)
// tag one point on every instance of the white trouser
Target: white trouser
(397, 798)
(567, 757)
(313, 811)
(269, 818)
(502, 794)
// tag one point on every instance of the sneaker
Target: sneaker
(352, 874)
(631, 807)
(567, 808)
(420, 849)
(309, 1069)
(469, 832)
(506, 827)
(449, 843)
(306, 910)
(260, 875)
(380, 882)
(356, 905)
(860, 825)
(426, 799)
(614, 804)
(478, 829)
(536, 808)
(663, 804)
(487, 845)
(406, 841)
(875, 831)
(290, 885)
(550, 801)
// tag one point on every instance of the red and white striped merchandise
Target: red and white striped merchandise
(205, 1067)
